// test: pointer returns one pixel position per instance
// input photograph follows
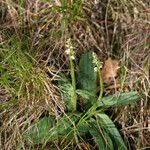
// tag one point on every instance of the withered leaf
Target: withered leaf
(110, 69)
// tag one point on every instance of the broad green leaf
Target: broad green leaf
(102, 139)
(39, 132)
(88, 98)
(84, 126)
(50, 129)
(87, 75)
(85, 94)
(119, 99)
(65, 124)
(67, 90)
(107, 124)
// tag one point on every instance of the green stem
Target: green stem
(74, 95)
(100, 81)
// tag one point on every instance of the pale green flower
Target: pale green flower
(73, 57)
(96, 61)
(95, 69)
(69, 51)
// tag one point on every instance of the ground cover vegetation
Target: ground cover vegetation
(74, 74)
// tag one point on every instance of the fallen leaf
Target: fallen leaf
(109, 71)
(84, 146)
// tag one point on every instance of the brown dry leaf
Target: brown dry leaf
(110, 69)
(84, 146)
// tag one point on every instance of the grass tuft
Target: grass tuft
(33, 37)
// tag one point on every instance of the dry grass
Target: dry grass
(120, 29)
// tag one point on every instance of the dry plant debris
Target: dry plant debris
(120, 28)
(110, 69)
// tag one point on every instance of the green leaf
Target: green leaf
(84, 126)
(88, 98)
(107, 124)
(39, 132)
(86, 94)
(67, 90)
(87, 75)
(65, 124)
(50, 129)
(102, 139)
(119, 99)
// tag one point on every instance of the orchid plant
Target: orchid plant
(87, 118)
